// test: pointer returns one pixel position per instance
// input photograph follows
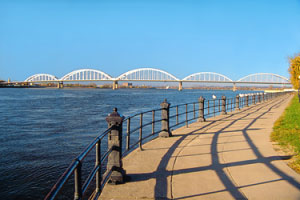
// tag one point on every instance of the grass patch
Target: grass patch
(286, 132)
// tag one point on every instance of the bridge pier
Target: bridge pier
(115, 85)
(60, 85)
(180, 86)
(234, 87)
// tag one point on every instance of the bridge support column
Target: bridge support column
(115, 85)
(114, 163)
(223, 112)
(180, 86)
(60, 85)
(165, 116)
(201, 109)
(237, 102)
(234, 87)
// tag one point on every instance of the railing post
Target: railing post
(165, 128)
(98, 164)
(77, 184)
(237, 102)
(223, 112)
(194, 110)
(141, 131)
(186, 116)
(208, 107)
(201, 109)
(177, 120)
(247, 100)
(214, 107)
(114, 162)
(253, 99)
(153, 119)
(128, 134)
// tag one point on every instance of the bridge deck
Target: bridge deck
(227, 157)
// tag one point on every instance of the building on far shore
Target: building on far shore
(128, 85)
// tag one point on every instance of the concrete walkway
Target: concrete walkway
(227, 157)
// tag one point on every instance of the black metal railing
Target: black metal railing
(75, 169)
(140, 128)
(137, 124)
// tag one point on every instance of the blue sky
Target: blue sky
(234, 38)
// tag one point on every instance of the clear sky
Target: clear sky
(234, 38)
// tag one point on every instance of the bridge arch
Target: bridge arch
(86, 75)
(207, 76)
(264, 78)
(41, 77)
(147, 74)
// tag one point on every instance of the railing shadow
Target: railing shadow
(161, 174)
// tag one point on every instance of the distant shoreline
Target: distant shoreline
(159, 88)
(19, 86)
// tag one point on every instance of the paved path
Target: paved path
(227, 157)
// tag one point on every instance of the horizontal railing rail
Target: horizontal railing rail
(139, 129)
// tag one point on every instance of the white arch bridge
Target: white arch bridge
(157, 75)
